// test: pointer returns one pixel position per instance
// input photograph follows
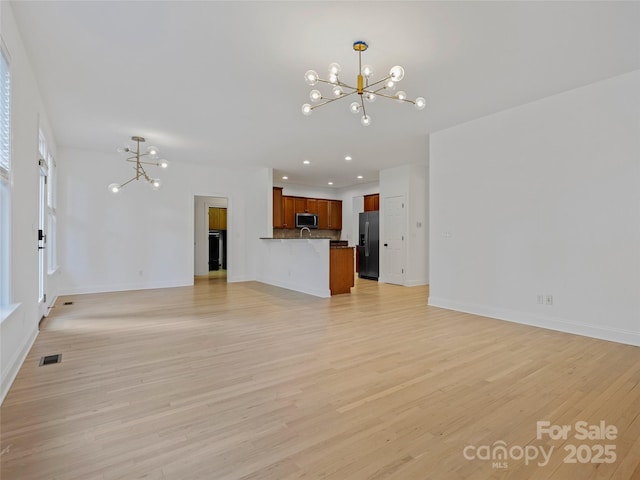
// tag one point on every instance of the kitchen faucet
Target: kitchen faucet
(307, 229)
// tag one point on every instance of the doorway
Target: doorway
(211, 248)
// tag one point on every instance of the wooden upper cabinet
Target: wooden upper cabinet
(223, 219)
(217, 218)
(285, 208)
(278, 214)
(288, 212)
(372, 203)
(214, 218)
(323, 214)
(312, 205)
(335, 214)
(330, 214)
(300, 205)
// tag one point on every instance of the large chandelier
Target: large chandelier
(366, 90)
(140, 159)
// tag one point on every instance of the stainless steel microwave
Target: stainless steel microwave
(306, 220)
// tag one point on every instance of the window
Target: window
(5, 174)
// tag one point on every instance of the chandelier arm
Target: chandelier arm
(128, 181)
(379, 81)
(142, 172)
(332, 100)
(408, 100)
(138, 157)
(346, 85)
(338, 83)
(364, 111)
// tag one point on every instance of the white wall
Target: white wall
(543, 199)
(19, 328)
(142, 238)
(411, 182)
(294, 190)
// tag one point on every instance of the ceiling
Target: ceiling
(222, 83)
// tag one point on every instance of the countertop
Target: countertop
(304, 238)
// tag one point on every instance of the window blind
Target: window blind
(5, 116)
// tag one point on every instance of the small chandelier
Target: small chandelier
(366, 90)
(151, 153)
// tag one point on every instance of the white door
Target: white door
(393, 244)
(42, 240)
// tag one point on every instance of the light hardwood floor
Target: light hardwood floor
(246, 381)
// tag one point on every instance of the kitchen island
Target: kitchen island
(307, 265)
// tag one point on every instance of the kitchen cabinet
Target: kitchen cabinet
(217, 218)
(278, 214)
(289, 213)
(335, 214)
(300, 205)
(330, 214)
(312, 205)
(323, 214)
(285, 208)
(223, 219)
(341, 277)
(372, 203)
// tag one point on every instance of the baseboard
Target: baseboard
(296, 288)
(124, 287)
(50, 304)
(415, 283)
(551, 323)
(10, 373)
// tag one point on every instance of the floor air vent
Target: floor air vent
(49, 359)
(67, 303)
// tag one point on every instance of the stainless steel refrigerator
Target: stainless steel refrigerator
(368, 245)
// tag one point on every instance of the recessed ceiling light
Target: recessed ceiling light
(360, 177)
(285, 178)
(306, 162)
(330, 183)
(348, 158)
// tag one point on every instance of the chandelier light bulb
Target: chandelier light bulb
(311, 77)
(333, 78)
(390, 85)
(396, 73)
(367, 71)
(401, 95)
(123, 149)
(315, 95)
(354, 107)
(366, 120)
(114, 188)
(156, 183)
(306, 109)
(334, 68)
(163, 164)
(420, 103)
(152, 151)
(371, 97)
(337, 91)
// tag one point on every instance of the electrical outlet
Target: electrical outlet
(540, 300)
(549, 299)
